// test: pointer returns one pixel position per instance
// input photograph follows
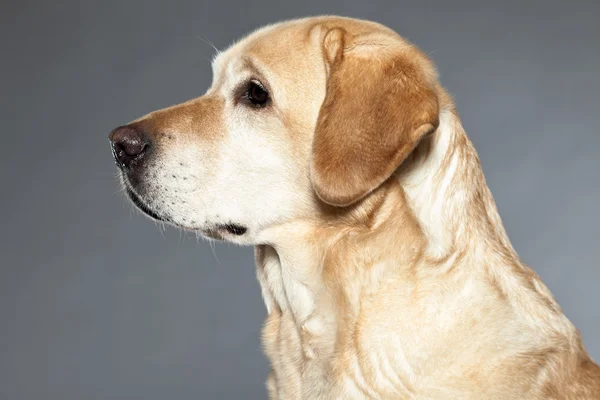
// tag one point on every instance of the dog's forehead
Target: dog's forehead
(278, 48)
(290, 44)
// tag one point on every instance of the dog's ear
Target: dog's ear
(378, 105)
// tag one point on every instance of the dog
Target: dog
(329, 145)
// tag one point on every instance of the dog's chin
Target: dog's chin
(143, 207)
(212, 233)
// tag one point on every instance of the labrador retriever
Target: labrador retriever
(329, 145)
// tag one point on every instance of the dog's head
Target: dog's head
(300, 114)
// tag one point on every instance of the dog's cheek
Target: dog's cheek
(256, 179)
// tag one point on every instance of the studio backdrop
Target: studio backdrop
(98, 302)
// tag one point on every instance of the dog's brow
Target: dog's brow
(249, 64)
(230, 69)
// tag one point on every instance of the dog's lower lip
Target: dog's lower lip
(234, 229)
(135, 199)
(218, 231)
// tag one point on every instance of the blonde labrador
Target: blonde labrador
(329, 145)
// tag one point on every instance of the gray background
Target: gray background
(97, 303)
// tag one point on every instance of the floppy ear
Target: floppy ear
(379, 104)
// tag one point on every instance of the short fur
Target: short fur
(383, 262)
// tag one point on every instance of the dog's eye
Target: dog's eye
(257, 95)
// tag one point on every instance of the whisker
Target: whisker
(208, 42)
(213, 250)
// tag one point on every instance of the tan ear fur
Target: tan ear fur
(379, 104)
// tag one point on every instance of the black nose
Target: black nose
(128, 145)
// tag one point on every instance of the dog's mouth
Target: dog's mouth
(139, 203)
(218, 231)
(231, 228)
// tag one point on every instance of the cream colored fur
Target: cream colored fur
(411, 291)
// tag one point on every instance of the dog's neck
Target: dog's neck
(296, 270)
(447, 192)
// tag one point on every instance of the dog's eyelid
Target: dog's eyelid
(258, 83)
(242, 86)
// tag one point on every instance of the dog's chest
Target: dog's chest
(376, 354)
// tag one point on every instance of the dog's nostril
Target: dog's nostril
(131, 148)
(128, 144)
